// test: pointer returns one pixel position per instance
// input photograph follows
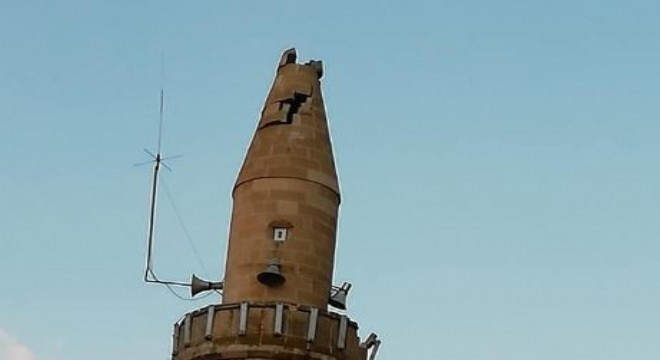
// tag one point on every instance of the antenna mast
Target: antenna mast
(149, 275)
(197, 285)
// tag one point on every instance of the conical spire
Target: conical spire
(292, 139)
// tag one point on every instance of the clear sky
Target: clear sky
(499, 163)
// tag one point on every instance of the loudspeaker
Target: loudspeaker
(271, 276)
(338, 299)
(198, 285)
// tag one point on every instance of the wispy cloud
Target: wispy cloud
(12, 349)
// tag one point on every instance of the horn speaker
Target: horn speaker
(272, 276)
(198, 285)
(338, 299)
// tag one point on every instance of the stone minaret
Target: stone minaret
(280, 258)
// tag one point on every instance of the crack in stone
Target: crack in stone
(290, 106)
(294, 105)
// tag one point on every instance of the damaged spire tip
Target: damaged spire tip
(290, 56)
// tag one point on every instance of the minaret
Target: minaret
(286, 197)
(280, 257)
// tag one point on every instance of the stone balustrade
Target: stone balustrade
(265, 331)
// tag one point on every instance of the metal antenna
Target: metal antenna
(149, 275)
(160, 119)
(197, 285)
(154, 190)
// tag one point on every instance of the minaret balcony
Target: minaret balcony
(269, 330)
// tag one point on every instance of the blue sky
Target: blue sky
(498, 162)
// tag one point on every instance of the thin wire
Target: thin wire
(169, 287)
(155, 279)
(183, 226)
